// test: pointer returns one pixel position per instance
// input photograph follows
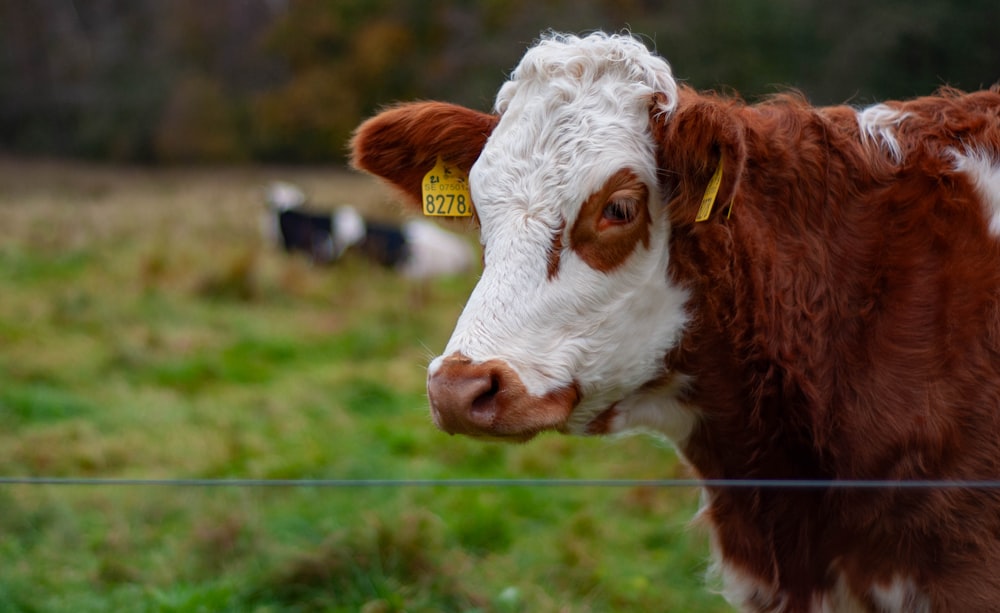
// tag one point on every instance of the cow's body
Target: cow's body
(847, 326)
(836, 316)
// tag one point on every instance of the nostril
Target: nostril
(485, 402)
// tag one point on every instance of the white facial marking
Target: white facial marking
(877, 124)
(575, 112)
(983, 170)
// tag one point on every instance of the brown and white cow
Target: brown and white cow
(835, 317)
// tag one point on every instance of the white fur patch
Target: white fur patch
(348, 229)
(740, 589)
(434, 251)
(746, 592)
(877, 124)
(983, 169)
(840, 599)
(282, 196)
(657, 409)
(749, 593)
(901, 595)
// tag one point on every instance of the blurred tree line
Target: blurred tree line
(287, 80)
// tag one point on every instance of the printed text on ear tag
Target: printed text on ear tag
(446, 192)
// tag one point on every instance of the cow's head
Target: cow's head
(572, 320)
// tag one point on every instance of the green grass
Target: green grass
(147, 331)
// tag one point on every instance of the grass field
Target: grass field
(147, 331)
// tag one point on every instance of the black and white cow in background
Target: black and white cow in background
(414, 248)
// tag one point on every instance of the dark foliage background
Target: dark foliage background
(287, 80)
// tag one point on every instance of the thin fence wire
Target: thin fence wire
(771, 484)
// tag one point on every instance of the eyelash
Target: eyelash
(621, 211)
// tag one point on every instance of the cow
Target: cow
(786, 292)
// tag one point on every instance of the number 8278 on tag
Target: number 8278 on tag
(449, 205)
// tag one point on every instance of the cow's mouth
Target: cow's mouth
(489, 400)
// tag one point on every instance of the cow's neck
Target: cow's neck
(754, 350)
(758, 356)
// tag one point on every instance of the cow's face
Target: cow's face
(574, 313)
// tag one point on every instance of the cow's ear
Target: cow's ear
(402, 143)
(703, 137)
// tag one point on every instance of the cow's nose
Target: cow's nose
(464, 396)
(489, 399)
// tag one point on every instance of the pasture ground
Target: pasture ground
(148, 331)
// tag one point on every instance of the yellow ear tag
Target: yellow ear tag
(446, 192)
(708, 200)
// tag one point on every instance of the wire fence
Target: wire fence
(770, 484)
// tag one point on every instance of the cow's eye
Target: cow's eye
(621, 210)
